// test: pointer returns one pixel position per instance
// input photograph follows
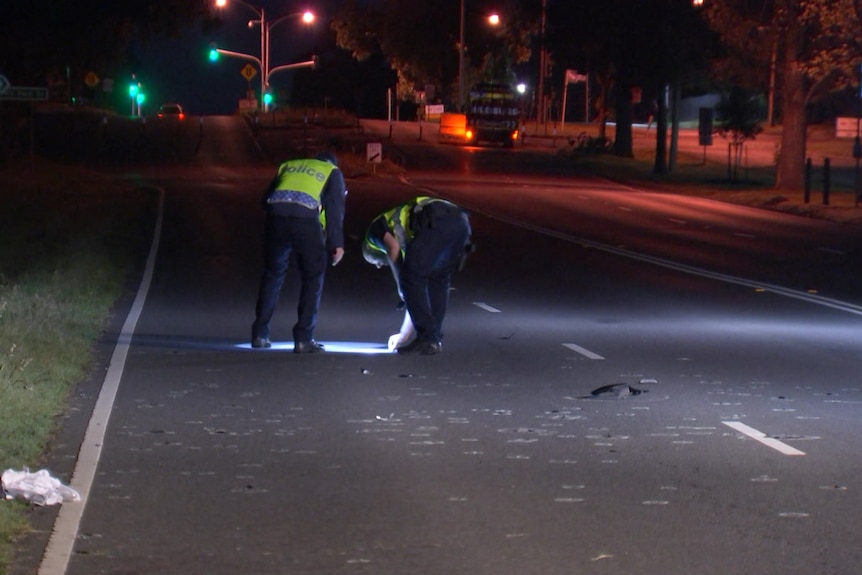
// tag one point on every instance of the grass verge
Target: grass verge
(69, 240)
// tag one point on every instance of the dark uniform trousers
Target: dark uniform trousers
(304, 235)
(441, 234)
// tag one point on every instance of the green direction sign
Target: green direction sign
(24, 93)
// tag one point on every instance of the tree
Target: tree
(817, 50)
(632, 47)
(820, 53)
(421, 40)
(409, 34)
(738, 122)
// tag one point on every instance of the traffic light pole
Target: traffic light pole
(264, 61)
(263, 76)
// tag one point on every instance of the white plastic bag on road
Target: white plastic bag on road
(38, 488)
(404, 336)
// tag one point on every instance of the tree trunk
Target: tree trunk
(790, 176)
(623, 107)
(602, 108)
(674, 126)
(660, 165)
(791, 160)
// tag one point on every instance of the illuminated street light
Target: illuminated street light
(266, 70)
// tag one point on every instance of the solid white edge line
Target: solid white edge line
(583, 351)
(486, 307)
(761, 437)
(55, 561)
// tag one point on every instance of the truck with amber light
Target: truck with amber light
(493, 115)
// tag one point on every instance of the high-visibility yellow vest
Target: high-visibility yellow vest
(398, 219)
(302, 182)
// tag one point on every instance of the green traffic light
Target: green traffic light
(140, 97)
(214, 55)
(267, 98)
(133, 90)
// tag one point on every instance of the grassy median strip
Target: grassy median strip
(69, 243)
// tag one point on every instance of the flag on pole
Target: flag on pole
(572, 77)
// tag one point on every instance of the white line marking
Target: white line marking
(676, 221)
(833, 251)
(486, 307)
(62, 541)
(761, 437)
(701, 272)
(583, 351)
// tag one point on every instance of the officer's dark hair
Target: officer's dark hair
(327, 156)
(373, 249)
(374, 255)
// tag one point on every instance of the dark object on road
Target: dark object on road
(617, 390)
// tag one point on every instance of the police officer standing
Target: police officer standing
(304, 213)
(424, 241)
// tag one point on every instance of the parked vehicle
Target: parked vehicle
(172, 111)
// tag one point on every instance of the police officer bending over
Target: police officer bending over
(423, 241)
(304, 212)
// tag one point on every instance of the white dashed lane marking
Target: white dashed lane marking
(583, 351)
(486, 307)
(761, 437)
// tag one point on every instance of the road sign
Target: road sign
(846, 127)
(4, 83)
(91, 79)
(248, 72)
(24, 93)
(374, 152)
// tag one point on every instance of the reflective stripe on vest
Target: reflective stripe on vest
(301, 182)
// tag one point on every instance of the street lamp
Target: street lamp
(265, 28)
(493, 20)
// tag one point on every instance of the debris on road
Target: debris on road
(38, 488)
(616, 391)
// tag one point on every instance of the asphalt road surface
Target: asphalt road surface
(630, 383)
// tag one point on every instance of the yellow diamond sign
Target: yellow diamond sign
(248, 72)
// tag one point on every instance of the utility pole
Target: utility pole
(543, 63)
(461, 100)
